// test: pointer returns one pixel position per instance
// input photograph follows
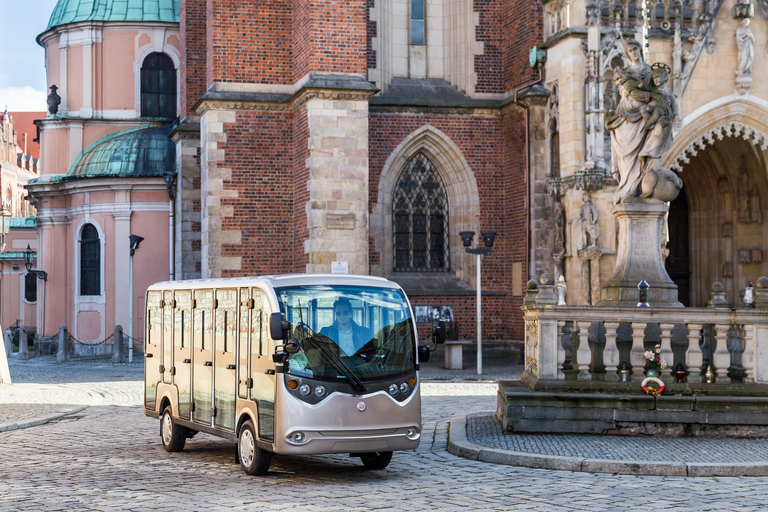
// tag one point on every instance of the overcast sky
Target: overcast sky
(22, 66)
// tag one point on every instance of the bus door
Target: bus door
(202, 356)
(153, 358)
(224, 362)
(182, 354)
(168, 309)
(262, 366)
(243, 374)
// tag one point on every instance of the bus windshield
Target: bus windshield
(353, 333)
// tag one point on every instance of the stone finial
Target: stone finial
(761, 293)
(717, 299)
(532, 289)
(54, 100)
(546, 294)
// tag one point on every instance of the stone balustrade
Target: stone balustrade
(592, 342)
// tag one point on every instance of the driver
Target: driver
(344, 331)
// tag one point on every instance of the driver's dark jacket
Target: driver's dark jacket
(360, 335)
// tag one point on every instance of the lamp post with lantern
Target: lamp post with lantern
(135, 240)
(466, 239)
(5, 226)
(40, 274)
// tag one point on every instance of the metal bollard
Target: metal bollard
(117, 345)
(23, 347)
(8, 340)
(63, 354)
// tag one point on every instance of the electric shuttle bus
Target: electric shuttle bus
(295, 364)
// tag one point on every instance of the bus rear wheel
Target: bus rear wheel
(376, 460)
(173, 436)
(253, 459)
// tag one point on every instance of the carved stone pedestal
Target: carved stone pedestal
(639, 257)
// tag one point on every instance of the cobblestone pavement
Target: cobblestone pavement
(109, 457)
(485, 429)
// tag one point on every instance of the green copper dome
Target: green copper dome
(72, 11)
(134, 152)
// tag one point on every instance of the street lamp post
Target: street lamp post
(40, 274)
(135, 241)
(466, 240)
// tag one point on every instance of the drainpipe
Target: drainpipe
(171, 227)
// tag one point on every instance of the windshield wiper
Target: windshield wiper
(337, 362)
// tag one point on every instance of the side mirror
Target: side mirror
(424, 353)
(278, 325)
(438, 331)
(292, 346)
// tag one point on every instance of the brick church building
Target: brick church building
(370, 133)
(288, 137)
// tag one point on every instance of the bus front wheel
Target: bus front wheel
(173, 436)
(376, 460)
(253, 459)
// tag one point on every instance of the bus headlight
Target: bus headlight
(404, 388)
(305, 389)
(412, 433)
(298, 437)
(393, 389)
(320, 391)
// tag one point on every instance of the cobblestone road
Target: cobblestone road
(109, 457)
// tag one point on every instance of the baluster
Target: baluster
(693, 356)
(721, 357)
(748, 359)
(611, 352)
(583, 354)
(560, 350)
(666, 351)
(736, 346)
(637, 354)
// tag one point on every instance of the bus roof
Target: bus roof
(279, 281)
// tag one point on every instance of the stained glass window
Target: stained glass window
(420, 219)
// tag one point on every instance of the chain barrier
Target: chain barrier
(136, 341)
(72, 339)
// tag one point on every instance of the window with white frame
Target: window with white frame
(90, 261)
(158, 86)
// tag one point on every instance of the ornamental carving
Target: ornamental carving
(732, 129)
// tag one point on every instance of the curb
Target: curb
(459, 445)
(7, 427)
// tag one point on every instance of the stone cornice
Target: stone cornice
(274, 102)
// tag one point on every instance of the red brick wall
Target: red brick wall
(192, 67)
(498, 164)
(490, 65)
(330, 36)
(259, 150)
(249, 42)
(523, 29)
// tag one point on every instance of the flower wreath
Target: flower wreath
(651, 390)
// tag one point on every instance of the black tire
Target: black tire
(376, 460)
(174, 436)
(253, 460)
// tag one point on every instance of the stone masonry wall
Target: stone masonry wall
(192, 67)
(337, 211)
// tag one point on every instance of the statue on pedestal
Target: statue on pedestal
(641, 130)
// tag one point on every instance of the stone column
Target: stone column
(590, 274)
(337, 210)
(639, 257)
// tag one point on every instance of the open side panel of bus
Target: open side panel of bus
(153, 348)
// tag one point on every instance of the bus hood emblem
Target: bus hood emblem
(361, 406)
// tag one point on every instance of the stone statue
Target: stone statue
(589, 229)
(641, 130)
(745, 41)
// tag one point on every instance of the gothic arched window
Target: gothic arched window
(90, 261)
(420, 218)
(158, 86)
